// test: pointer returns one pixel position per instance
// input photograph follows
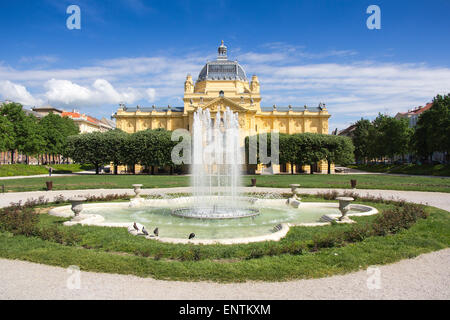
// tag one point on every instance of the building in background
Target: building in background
(220, 84)
(413, 115)
(87, 123)
(41, 112)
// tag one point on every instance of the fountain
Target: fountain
(216, 176)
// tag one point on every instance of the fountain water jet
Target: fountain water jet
(216, 168)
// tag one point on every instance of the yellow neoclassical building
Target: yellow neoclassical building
(223, 83)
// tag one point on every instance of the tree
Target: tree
(116, 141)
(433, 126)
(155, 148)
(131, 152)
(34, 142)
(339, 150)
(16, 116)
(88, 148)
(362, 140)
(55, 130)
(6, 134)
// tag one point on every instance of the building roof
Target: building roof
(296, 109)
(46, 108)
(82, 117)
(222, 68)
(347, 131)
(153, 108)
(110, 123)
(32, 113)
(416, 111)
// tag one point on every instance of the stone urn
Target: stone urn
(77, 205)
(137, 190)
(344, 206)
(294, 190)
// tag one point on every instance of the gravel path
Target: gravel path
(46, 175)
(437, 199)
(425, 277)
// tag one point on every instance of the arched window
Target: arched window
(221, 93)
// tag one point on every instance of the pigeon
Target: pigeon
(135, 226)
(192, 235)
(156, 232)
(144, 231)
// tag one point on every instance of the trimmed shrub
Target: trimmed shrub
(401, 217)
(19, 220)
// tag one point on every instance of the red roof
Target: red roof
(422, 109)
(75, 115)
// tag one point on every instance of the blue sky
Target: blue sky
(304, 52)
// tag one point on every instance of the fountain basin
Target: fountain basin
(215, 212)
(175, 229)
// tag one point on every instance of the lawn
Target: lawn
(11, 170)
(424, 169)
(161, 181)
(113, 250)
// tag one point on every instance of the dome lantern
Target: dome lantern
(222, 50)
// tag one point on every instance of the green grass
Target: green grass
(10, 170)
(113, 250)
(160, 181)
(414, 169)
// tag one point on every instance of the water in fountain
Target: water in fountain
(216, 168)
(216, 154)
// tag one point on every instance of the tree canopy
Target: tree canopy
(309, 148)
(31, 136)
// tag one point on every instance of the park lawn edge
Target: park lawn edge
(426, 235)
(83, 182)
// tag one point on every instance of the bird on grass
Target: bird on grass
(144, 231)
(192, 235)
(156, 232)
(135, 226)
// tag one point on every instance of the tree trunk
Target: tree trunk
(292, 168)
(12, 156)
(329, 167)
(153, 170)
(115, 169)
(97, 168)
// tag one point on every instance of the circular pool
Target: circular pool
(158, 213)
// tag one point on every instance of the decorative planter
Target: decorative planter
(49, 185)
(294, 190)
(137, 190)
(353, 183)
(254, 182)
(77, 205)
(344, 205)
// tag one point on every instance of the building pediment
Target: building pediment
(223, 102)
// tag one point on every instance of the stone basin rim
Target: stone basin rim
(98, 220)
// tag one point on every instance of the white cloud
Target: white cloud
(17, 93)
(100, 92)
